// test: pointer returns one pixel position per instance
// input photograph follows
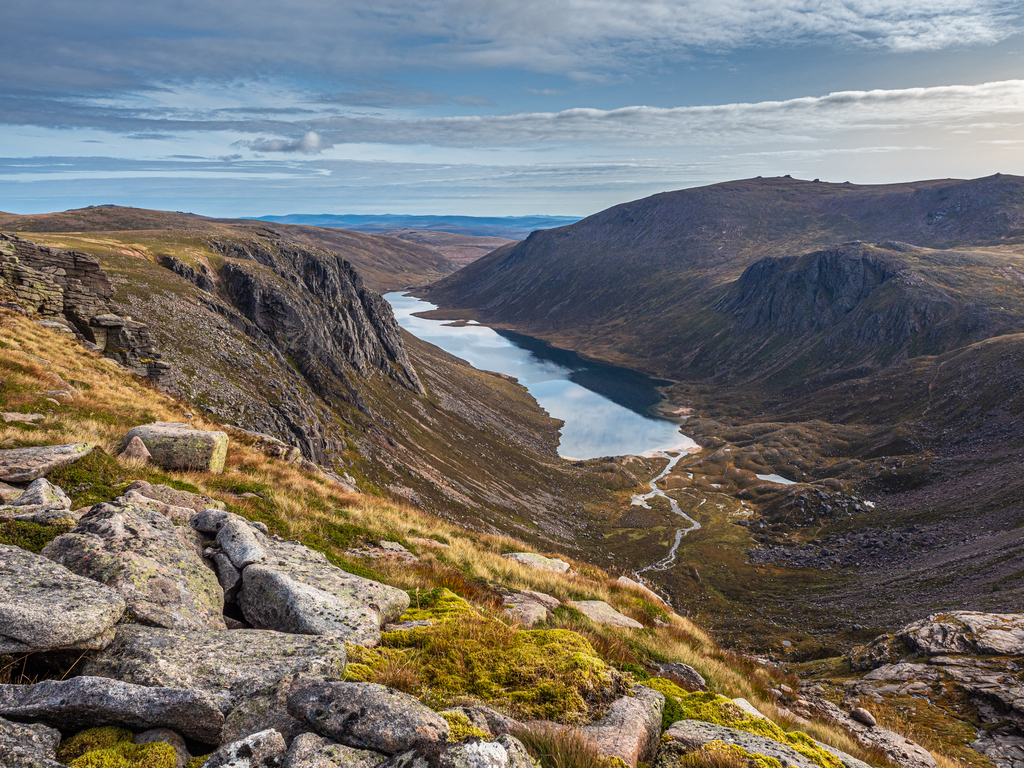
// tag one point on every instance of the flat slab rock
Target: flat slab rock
(229, 663)
(85, 702)
(28, 746)
(600, 612)
(174, 445)
(366, 716)
(312, 751)
(529, 607)
(23, 465)
(197, 502)
(539, 561)
(150, 561)
(43, 606)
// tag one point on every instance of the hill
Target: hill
(652, 283)
(385, 264)
(458, 249)
(511, 227)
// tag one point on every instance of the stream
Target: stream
(640, 500)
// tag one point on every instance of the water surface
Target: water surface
(606, 409)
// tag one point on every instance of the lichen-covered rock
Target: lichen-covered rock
(179, 446)
(539, 561)
(43, 606)
(529, 607)
(197, 502)
(600, 612)
(504, 752)
(23, 465)
(997, 634)
(136, 449)
(166, 736)
(81, 702)
(172, 512)
(42, 492)
(488, 721)
(228, 575)
(141, 554)
(366, 716)
(296, 589)
(687, 736)
(312, 751)
(232, 664)
(630, 729)
(644, 590)
(28, 746)
(238, 541)
(9, 493)
(265, 749)
(685, 675)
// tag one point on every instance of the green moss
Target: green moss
(537, 674)
(33, 536)
(125, 754)
(460, 727)
(712, 708)
(197, 762)
(752, 759)
(434, 604)
(91, 739)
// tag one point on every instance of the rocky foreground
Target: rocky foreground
(191, 636)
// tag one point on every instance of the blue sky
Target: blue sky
(493, 107)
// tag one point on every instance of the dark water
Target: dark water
(605, 408)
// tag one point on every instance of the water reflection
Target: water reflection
(605, 409)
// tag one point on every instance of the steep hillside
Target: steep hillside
(384, 263)
(651, 282)
(283, 338)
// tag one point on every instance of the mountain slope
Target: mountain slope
(647, 283)
(386, 264)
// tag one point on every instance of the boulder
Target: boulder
(42, 492)
(43, 606)
(142, 555)
(644, 590)
(688, 736)
(996, 634)
(228, 575)
(539, 561)
(529, 607)
(631, 728)
(28, 746)
(136, 449)
(167, 736)
(312, 751)
(22, 418)
(172, 512)
(683, 674)
(194, 501)
(42, 516)
(504, 752)
(229, 664)
(296, 589)
(85, 702)
(487, 720)
(9, 493)
(238, 540)
(863, 717)
(265, 749)
(600, 612)
(23, 465)
(179, 446)
(366, 716)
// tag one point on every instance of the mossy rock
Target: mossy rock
(125, 754)
(435, 604)
(460, 727)
(537, 674)
(197, 762)
(92, 739)
(712, 708)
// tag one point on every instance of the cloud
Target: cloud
(309, 143)
(123, 45)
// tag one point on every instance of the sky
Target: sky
(493, 107)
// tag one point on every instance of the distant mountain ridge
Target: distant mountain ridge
(511, 227)
(726, 281)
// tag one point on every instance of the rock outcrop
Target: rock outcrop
(28, 746)
(23, 465)
(600, 612)
(631, 728)
(539, 561)
(43, 606)
(150, 561)
(312, 751)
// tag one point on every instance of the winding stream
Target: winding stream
(640, 500)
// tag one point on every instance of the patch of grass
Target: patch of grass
(546, 674)
(32, 536)
(562, 748)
